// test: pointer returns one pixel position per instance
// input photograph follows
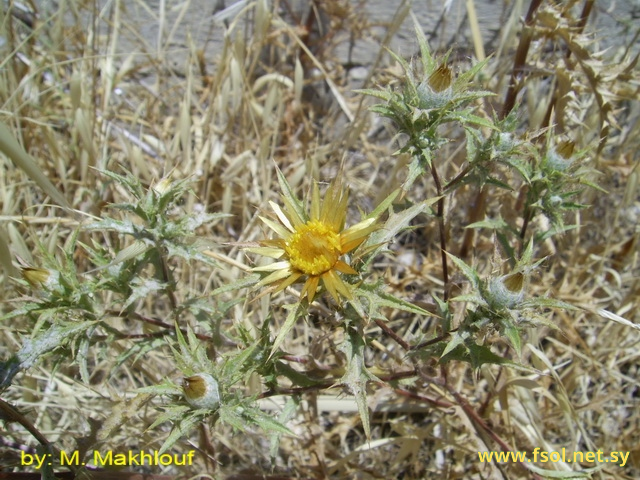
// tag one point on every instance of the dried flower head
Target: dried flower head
(566, 148)
(201, 391)
(436, 91)
(559, 158)
(36, 277)
(506, 291)
(441, 78)
(311, 244)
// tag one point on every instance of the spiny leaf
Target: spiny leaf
(180, 429)
(267, 422)
(468, 271)
(297, 311)
(43, 343)
(171, 413)
(357, 376)
(384, 205)
(513, 334)
(237, 365)
(397, 222)
(381, 94)
(378, 299)
(143, 288)
(232, 415)
(167, 387)
(459, 338)
(124, 227)
(548, 302)
(288, 412)
(289, 195)
(427, 59)
(494, 223)
(481, 355)
(244, 282)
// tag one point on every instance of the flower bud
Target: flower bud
(506, 291)
(565, 149)
(436, 91)
(441, 78)
(43, 278)
(162, 186)
(201, 391)
(36, 277)
(559, 158)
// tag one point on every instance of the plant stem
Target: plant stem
(432, 341)
(153, 321)
(520, 59)
(458, 178)
(166, 277)
(479, 422)
(526, 217)
(399, 340)
(582, 22)
(475, 214)
(442, 229)
(424, 398)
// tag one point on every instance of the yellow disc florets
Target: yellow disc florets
(314, 248)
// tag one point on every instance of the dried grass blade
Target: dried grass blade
(478, 45)
(5, 256)
(12, 149)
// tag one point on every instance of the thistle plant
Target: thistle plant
(430, 96)
(74, 312)
(316, 245)
(313, 246)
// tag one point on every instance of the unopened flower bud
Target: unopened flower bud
(441, 78)
(565, 149)
(36, 277)
(42, 278)
(162, 186)
(559, 158)
(514, 282)
(201, 391)
(436, 91)
(506, 291)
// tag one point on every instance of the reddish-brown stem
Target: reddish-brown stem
(423, 398)
(442, 230)
(335, 383)
(170, 293)
(125, 336)
(466, 408)
(432, 341)
(525, 225)
(398, 339)
(475, 214)
(152, 321)
(476, 419)
(582, 22)
(520, 59)
(458, 178)
(11, 414)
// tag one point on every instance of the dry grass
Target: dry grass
(83, 88)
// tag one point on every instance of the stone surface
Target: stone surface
(202, 24)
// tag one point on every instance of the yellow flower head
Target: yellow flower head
(310, 244)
